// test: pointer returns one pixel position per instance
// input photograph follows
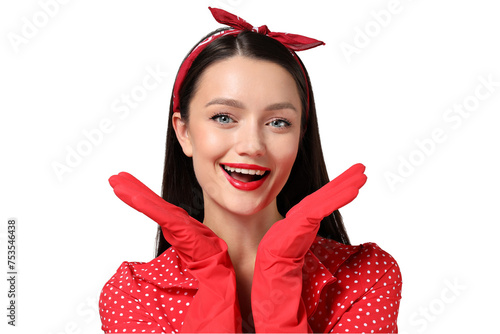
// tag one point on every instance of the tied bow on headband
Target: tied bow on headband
(291, 41)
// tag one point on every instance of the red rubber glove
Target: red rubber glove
(280, 255)
(215, 306)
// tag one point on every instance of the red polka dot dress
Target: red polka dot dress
(346, 289)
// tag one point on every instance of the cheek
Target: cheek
(207, 144)
(285, 154)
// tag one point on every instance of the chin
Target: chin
(247, 208)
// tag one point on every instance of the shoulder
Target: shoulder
(165, 271)
(154, 295)
(369, 256)
(360, 278)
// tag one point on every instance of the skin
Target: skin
(243, 111)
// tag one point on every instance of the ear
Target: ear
(182, 133)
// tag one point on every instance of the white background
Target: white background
(71, 71)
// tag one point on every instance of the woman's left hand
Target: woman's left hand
(280, 255)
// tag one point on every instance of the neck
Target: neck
(242, 233)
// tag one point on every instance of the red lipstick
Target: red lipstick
(247, 186)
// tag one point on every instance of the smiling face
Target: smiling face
(243, 133)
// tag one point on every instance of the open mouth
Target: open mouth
(245, 175)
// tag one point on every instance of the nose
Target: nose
(250, 140)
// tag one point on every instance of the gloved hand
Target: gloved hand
(280, 255)
(215, 306)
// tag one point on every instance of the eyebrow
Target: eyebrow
(226, 102)
(238, 104)
(282, 105)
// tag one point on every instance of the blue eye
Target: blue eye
(280, 123)
(222, 118)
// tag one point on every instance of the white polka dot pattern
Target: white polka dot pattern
(346, 289)
(148, 297)
(364, 295)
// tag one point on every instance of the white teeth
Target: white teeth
(244, 171)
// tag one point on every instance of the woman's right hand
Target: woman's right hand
(215, 306)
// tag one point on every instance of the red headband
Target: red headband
(291, 41)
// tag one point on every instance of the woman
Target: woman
(243, 151)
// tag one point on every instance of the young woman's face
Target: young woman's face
(245, 114)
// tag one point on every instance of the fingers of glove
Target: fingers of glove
(137, 195)
(353, 171)
(354, 176)
(127, 187)
(185, 233)
(322, 202)
(293, 236)
(335, 198)
(339, 199)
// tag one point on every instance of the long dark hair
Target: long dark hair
(180, 186)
